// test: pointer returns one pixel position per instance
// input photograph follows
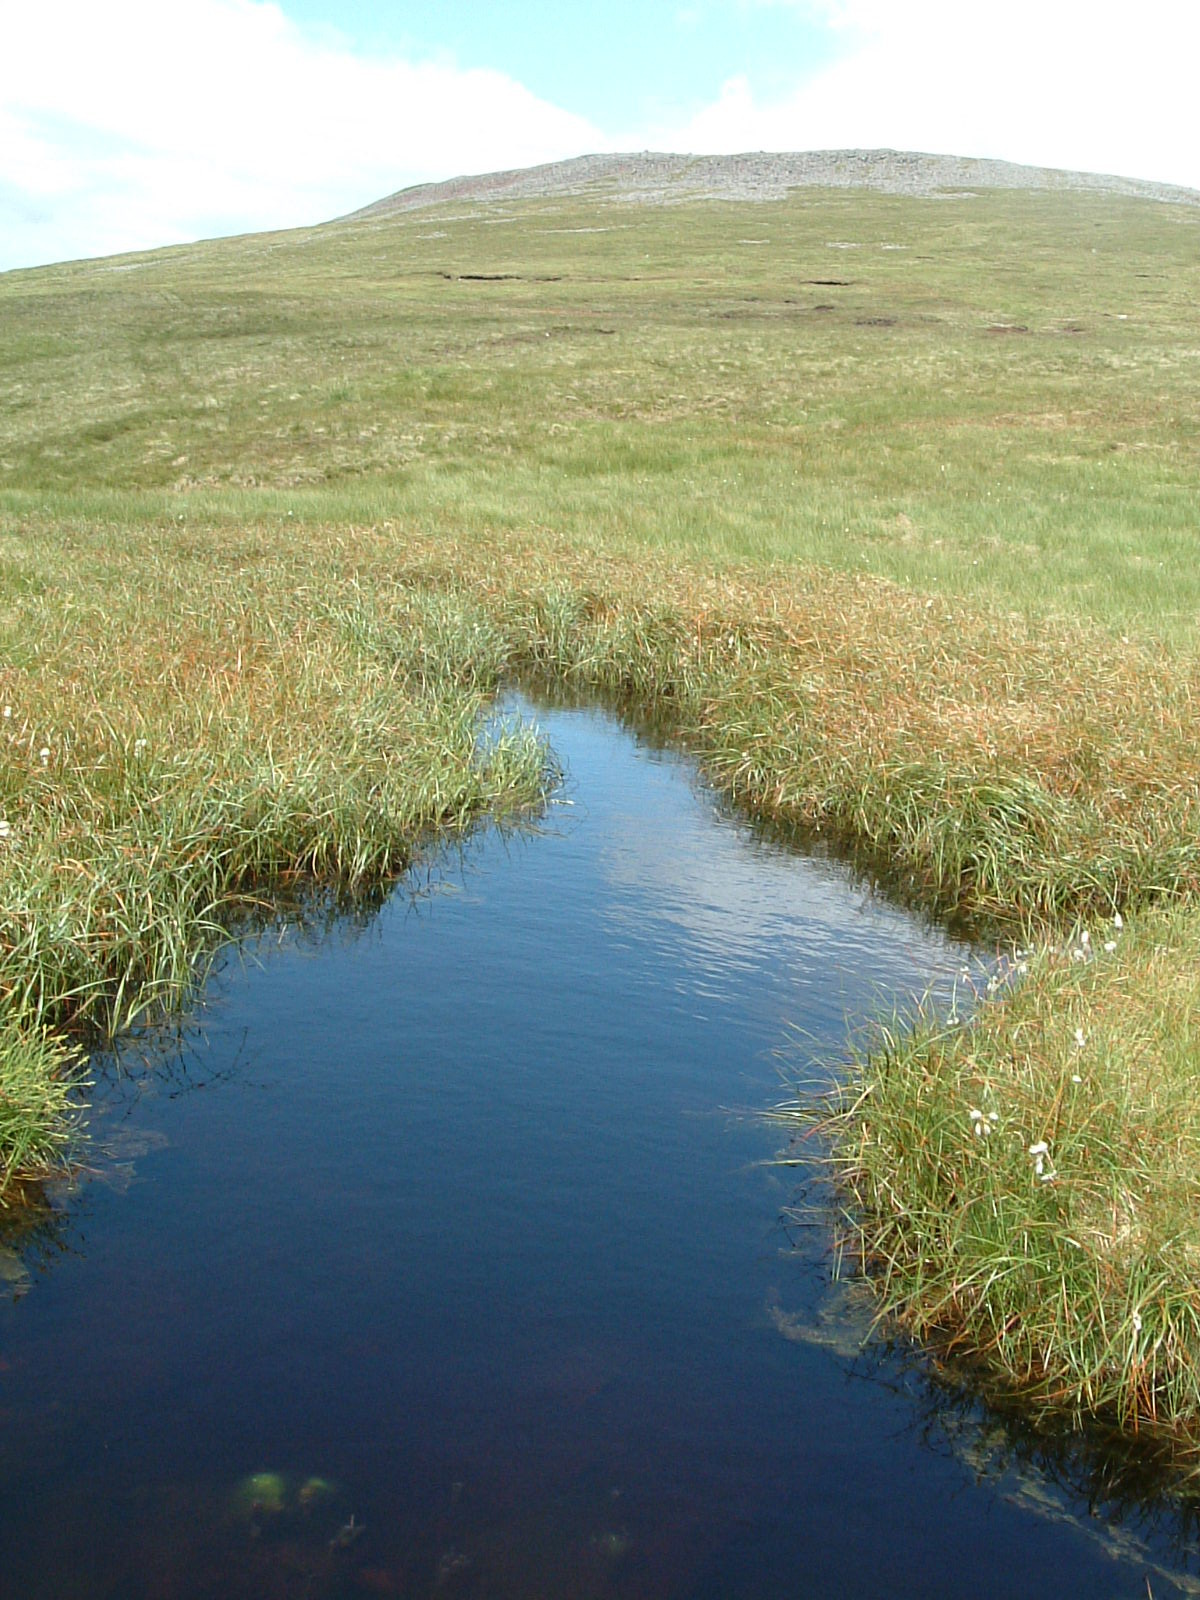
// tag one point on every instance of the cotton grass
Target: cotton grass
(1061, 1253)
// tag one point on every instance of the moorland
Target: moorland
(885, 503)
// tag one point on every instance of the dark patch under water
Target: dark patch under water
(456, 1224)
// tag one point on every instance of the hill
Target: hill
(763, 175)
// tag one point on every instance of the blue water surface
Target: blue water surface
(466, 1210)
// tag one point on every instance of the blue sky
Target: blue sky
(126, 124)
(619, 64)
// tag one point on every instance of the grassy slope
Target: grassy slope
(660, 382)
(908, 555)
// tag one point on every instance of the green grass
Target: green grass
(659, 384)
(1024, 1191)
(36, 1112)
(908, 559)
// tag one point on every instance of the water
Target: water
(464, 1211)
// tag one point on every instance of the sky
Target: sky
(127, 124)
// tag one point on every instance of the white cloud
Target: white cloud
(1102, 87)
(138, 122)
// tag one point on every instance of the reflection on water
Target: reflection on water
(439, 1257)
(33, 1235)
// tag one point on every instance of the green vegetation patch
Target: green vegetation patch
(36, 1115)
(1025, 1191)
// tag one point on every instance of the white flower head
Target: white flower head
(1085, 938)
(8, 711)
(44, 753)
(1039, 1152)
(983, 1121)
(1118, 923)
(1080, 1038)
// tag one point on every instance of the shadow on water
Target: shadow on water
(426, 1257)
(1126, 1496)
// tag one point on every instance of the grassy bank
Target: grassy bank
(1024, 1191)
(886, 505)
(192, 730)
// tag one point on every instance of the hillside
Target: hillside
(762, 175)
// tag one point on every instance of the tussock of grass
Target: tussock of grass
(1061, 1246)
(36, 1072)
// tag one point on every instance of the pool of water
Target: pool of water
(443, 1255)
